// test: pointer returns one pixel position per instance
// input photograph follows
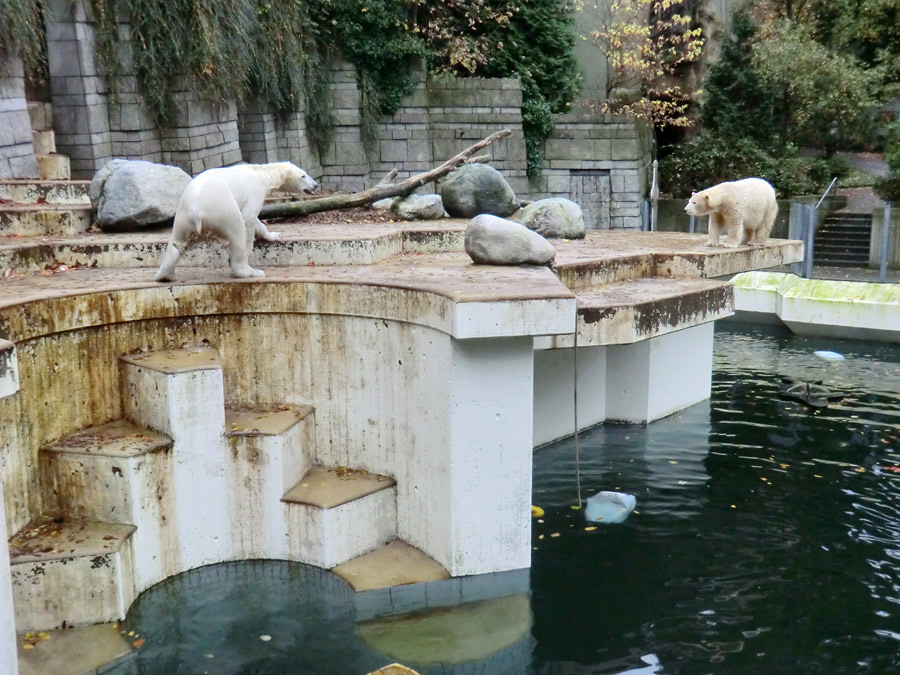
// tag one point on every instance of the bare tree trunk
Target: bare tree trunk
(366, 197)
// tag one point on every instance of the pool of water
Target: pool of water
(766, 539)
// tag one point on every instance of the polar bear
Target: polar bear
(744, 209)
(226, 202)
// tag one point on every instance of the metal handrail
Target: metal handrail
(825, 194)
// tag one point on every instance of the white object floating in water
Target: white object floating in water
(609, 507)
(652, 667)
(829, 356)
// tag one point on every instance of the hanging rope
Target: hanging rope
(575, 400)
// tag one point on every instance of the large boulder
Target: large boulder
(553, 218)
(133, 194)
(419, 207)
(496, 241)
(473, 189)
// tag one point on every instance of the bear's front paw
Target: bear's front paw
(711, 243)
(272, 236)
(729, 244)
(245, 272)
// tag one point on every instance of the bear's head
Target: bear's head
(701, 203)
(296, 179)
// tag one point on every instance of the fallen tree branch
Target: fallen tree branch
(366, 197)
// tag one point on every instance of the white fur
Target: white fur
(226, 202)
(744, 209)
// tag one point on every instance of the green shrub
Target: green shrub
(888, 187)
(710, 159)
(22, 33)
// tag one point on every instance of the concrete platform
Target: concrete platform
(176, 360)
(845, 309)
(46, 540)
(116, 439)
(263, 422)
(396, 564)
(89, 650)
(327, 488)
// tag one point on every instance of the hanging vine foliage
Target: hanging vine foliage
(22, 33)
(279, 52)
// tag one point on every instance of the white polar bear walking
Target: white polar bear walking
(226, 202)
(744, 209)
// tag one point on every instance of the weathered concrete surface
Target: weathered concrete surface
(638, 309)
(73, 573)
(9, 369)
(841, 309)
(7, 617)
(396, 564)
(75, 651)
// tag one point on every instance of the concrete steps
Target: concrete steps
(30, 220)
(339, 514)
(184, 481)
(71, 573)
(52, 204)
(23, 191)
(843, 240)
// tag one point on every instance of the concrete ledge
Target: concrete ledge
(845, 309)
(460, 299)
(640, 309)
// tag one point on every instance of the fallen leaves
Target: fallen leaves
(32, 639)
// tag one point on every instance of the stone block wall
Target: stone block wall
(608, 152)
(602, 163)
(78, 91)
(345, 165)
(16, 151)
(463, 111)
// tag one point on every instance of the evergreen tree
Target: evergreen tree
(736, 104)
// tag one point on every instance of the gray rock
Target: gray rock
(133, 194)
(473, 189)
(419, 207)
(384, 204)
(495, 241)
(556, 217)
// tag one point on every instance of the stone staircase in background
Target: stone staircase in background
(843, 240)
(182, 481)
(52, 204)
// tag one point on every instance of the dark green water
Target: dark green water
(766, 539)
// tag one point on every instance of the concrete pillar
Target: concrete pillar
(256, 132)
(16, 151)
(653, 378)
(79, 93)
(9, 385)
(180, 393)
(554, 391)
(490, 427)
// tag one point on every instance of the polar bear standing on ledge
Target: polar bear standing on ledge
(226, 202)
(744, 209)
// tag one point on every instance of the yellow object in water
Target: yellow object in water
(537, 512)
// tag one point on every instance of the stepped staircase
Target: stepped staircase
(843, 240)
(52, 204)
(182, 481)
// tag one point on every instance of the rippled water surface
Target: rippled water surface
(766, 540)
(766, 537)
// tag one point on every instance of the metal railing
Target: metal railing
(809, 218)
